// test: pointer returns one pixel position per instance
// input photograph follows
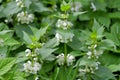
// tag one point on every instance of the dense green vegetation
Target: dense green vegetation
(59, 39)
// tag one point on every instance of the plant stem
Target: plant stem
(65, 51)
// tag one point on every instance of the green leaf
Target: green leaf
(96, 26)
(26, 38)
(114, 67)
(113, 3)
(40, 32)
(27, 3)
(115, 34)
(10, 9)
(24, 32)
(76, 53)
(114, 15)
(5, 31)
(37, 6)
(11, 42)
(100, 5)
(3, 26)
(103, 74)
(6, 65)
(51, 43)
(105, 21)
(109, 58)
(45, 52)
(65, 6)
(107, 44)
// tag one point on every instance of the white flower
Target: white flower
(60, 59)
(58, 37)
(20, 3)
(89, 53)
(36, 78)
(6, 20)
(32, 67)
(28, 51)
(93, 6)
(76, 6)
(64, 24)
(70, 59)
(24, 17)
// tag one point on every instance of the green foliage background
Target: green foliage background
(102, 24)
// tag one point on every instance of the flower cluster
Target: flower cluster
(64, 24)
(31, 66)
(24, 17)
(93, 53)
(89, 68)
(60, 38)
(69, 59)
(20, 3)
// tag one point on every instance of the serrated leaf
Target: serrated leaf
(11, 9)
(45, 52)
(51, 43)
(114, 15)
(26, 38)
(5, 31)
(38, 7)
(114, 67)
(11, 42)
(96, 26)
(65, 6)
(40, 32)
(106, 74)
(6, 64)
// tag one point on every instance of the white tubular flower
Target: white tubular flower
(76, 6)
(93, 6)
(70, 59)
(28, 51)
(24, 17)
(32, 67)
(58, 37)
(60, 59)
(89, 54)
(20, 3)
(37, 78)
(64, 24)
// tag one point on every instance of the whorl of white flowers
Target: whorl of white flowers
(69, 59)
(93, 52)
(24, 17)
(60, 59)
(20, 3)
(90, 68)
(61, 39)
(76, 6)
(32, 67)
(64, 24)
